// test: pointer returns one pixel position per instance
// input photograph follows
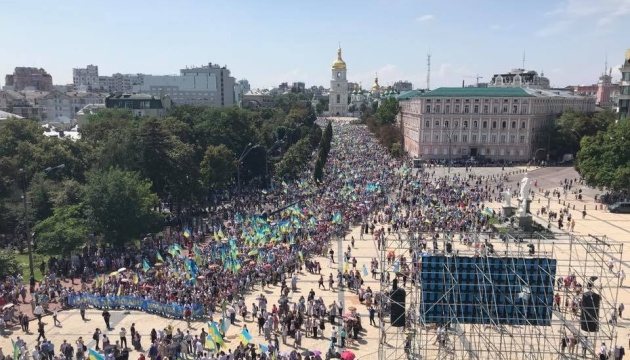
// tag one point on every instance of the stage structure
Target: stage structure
(491, 298)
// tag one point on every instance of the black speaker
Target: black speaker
(589, 318)
(397, 297)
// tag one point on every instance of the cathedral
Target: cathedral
(340, 98)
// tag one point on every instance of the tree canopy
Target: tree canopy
(604, 159)
(118, 176)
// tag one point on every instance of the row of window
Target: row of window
(474, 138)
(437, 109)
(482, 152)
(475, 124)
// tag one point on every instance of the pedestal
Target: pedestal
(508, 211)
(524, 222)
(527, 205)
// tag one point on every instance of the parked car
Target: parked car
(620, 207)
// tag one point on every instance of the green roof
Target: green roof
(477, 92)
(406, 95)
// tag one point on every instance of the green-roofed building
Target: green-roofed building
(489, 123)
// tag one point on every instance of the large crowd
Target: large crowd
(261, 238)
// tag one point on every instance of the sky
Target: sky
(275, 41)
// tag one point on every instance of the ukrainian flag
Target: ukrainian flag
(159, 257)
(246, 338)
(187, 233)
(145, 265)
(94, 355)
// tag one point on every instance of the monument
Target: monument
(508, 209)
(524, 219)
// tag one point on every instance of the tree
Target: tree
(564, 134)
(294, 159)
(321, 106)
(62, 232)
(604, 159)
(397, 149)
(386, 113)
(8, 263)
(218, 166)
(119, 204)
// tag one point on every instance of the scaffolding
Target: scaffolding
(591, 262)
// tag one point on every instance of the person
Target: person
(123, 338)
(372, 313)
(82, 307)
(586, 344)
(39, 311)
(56, 321)
(603, 352)
(621, 307)
(622, 276)
(40, 330)
(106, 316)
(96, 337)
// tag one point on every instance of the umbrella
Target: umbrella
(347, 355)
(122, 270)
(8, 306)
(308, 353)
(316, 352)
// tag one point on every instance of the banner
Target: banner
(137, 303)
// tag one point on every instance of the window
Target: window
(484, 138)
(522, 139)
(427, 109)
(484, 125)
(476, 109)
(437, 123)
(502, 152)
(475, 124)
(465, 124)
(494, 124)
(474, 138)
(504, 125)
(466, 109)
(493, 139)
(447, 109)
(338, 98)
(456, 109)
(513, 124)
(515, 109)
(512, 139)
(495, 109)
(427, 124)
(502, 139)
(522, 124)
(505, 109)
(446, 124)
(485, 109)
(437, 109)
(465, 138)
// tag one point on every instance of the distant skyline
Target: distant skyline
(279, 41)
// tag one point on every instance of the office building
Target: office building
(490, 123)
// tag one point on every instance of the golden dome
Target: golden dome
(339, 64)
(628, 55)
(376, 86)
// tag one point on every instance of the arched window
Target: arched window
(338, 98)
(504, 125)
(426, 124)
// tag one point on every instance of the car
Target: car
(620, 208)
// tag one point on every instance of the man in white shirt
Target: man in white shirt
(603, 352)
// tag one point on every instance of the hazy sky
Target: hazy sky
(272, 41)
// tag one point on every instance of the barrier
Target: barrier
(136, 303)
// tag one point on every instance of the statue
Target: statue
(507, 198)
(525, 189)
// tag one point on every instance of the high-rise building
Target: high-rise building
(86, 77)
(28, 78)
(209, 85)
(520, 78)
(624, 89)
(338, 96)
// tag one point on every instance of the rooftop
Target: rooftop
(406, 95)
(133, 97)
(475, 92)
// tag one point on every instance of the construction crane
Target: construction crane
(475, 77)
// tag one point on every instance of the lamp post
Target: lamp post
(278, 142)
(27, 225)
(246, 151)
(449, 135)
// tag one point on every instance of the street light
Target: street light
(449, 135)
(278, 142)
(246, 151)
(29, 244)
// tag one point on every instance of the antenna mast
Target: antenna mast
(429, 71)
(523, 60)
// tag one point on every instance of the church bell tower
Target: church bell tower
(338, 97)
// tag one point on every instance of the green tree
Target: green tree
(387, 111)
(9, 264)
(119, 205)
(604, 159)
(62, 232)
(218, 166)
(294, 159)
(397, 149)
